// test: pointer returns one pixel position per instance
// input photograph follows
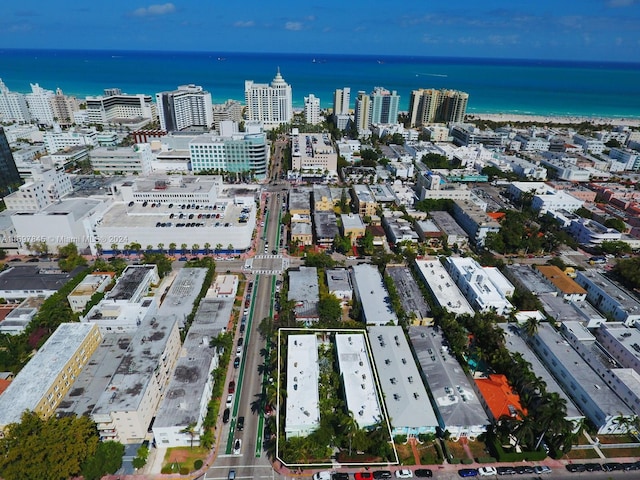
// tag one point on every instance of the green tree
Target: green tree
(142, 454)
(616, 224)
(160, 260)
(366, 242)
(106, 460)
(50, 449)
(329, 308)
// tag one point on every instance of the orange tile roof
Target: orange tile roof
(496, 215)
(560, 280)
(499, 397)
(4, 384)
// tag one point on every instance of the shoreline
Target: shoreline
(557, 119)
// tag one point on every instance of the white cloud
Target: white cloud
(154, 10)
(244, 23)
(294, 26)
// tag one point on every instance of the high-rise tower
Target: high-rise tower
(271, 104)
(9, 176)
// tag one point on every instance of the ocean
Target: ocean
(531, 87)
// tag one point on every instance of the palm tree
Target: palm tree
(161, 247)
(350, 427)
(172, 247)
(114, 248)
(194, 248)
(99, 248)
(531, 326)
(218, 247)
(191, 431)
(207, 246)
(149, 248)
(183, 246)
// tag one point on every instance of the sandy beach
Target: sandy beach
(542, 119)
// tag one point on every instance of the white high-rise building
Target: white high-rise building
(13, 106)
(188, 106)
(116, 107)
(341, 99)
(312, 109)
(271, 104)
(39, 102)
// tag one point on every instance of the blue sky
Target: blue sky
(541, 29)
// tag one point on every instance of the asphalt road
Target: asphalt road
(252, 461)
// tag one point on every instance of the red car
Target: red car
(362, 476)
(232, 387)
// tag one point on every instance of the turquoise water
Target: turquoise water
(494, 86)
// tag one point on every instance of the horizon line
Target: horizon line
(319, 54)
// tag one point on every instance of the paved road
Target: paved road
(252, 461)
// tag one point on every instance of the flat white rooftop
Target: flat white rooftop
(373, 295)
(444, 289)
(303, 406)
(405, 396)
(357, 378)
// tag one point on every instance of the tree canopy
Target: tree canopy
(37, 449)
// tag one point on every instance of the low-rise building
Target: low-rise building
(339, 284)
(407, 401)
(609, 298)
(24, 281)
(352, 225)
(364, 201)
(411, 297)
(484, 287)
(180, 416)
(516, 344)
(453, 232)
(454, 398)
(313, 152)
(135, 160)
(373, 296)
(443, 288)
(474, 221)
(591, 233)
(302, 415)
(301, 233)
(622, 342)
(305, 292)
(498, 397)
(555, 200)
(361, 396)
(17, 319)
(50, 374)
(225, 286)
(562, 284)
(91, 284)
(589, 392)
(326, 228)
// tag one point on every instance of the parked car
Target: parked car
(236, 362)
(575, 467)
(362, 476)
(423, 473)
(242, 327)
(540, 469)
(487, 471)
(232, 475)
(506, 470)
(404, 473)
(378, 474)
(232, 387)
(340, 476)
(229, 401)
(239, 351)
(226, 415)
(322, 476)
(468, 472)
(240, 341)
(593, 467)
(240, 425)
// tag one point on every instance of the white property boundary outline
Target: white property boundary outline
(378, 393)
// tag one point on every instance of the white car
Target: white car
(229, 401)
(239, 351)
(541, 469)
(322, 476)
(404, 473)
(487, 471)
(237, 446)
